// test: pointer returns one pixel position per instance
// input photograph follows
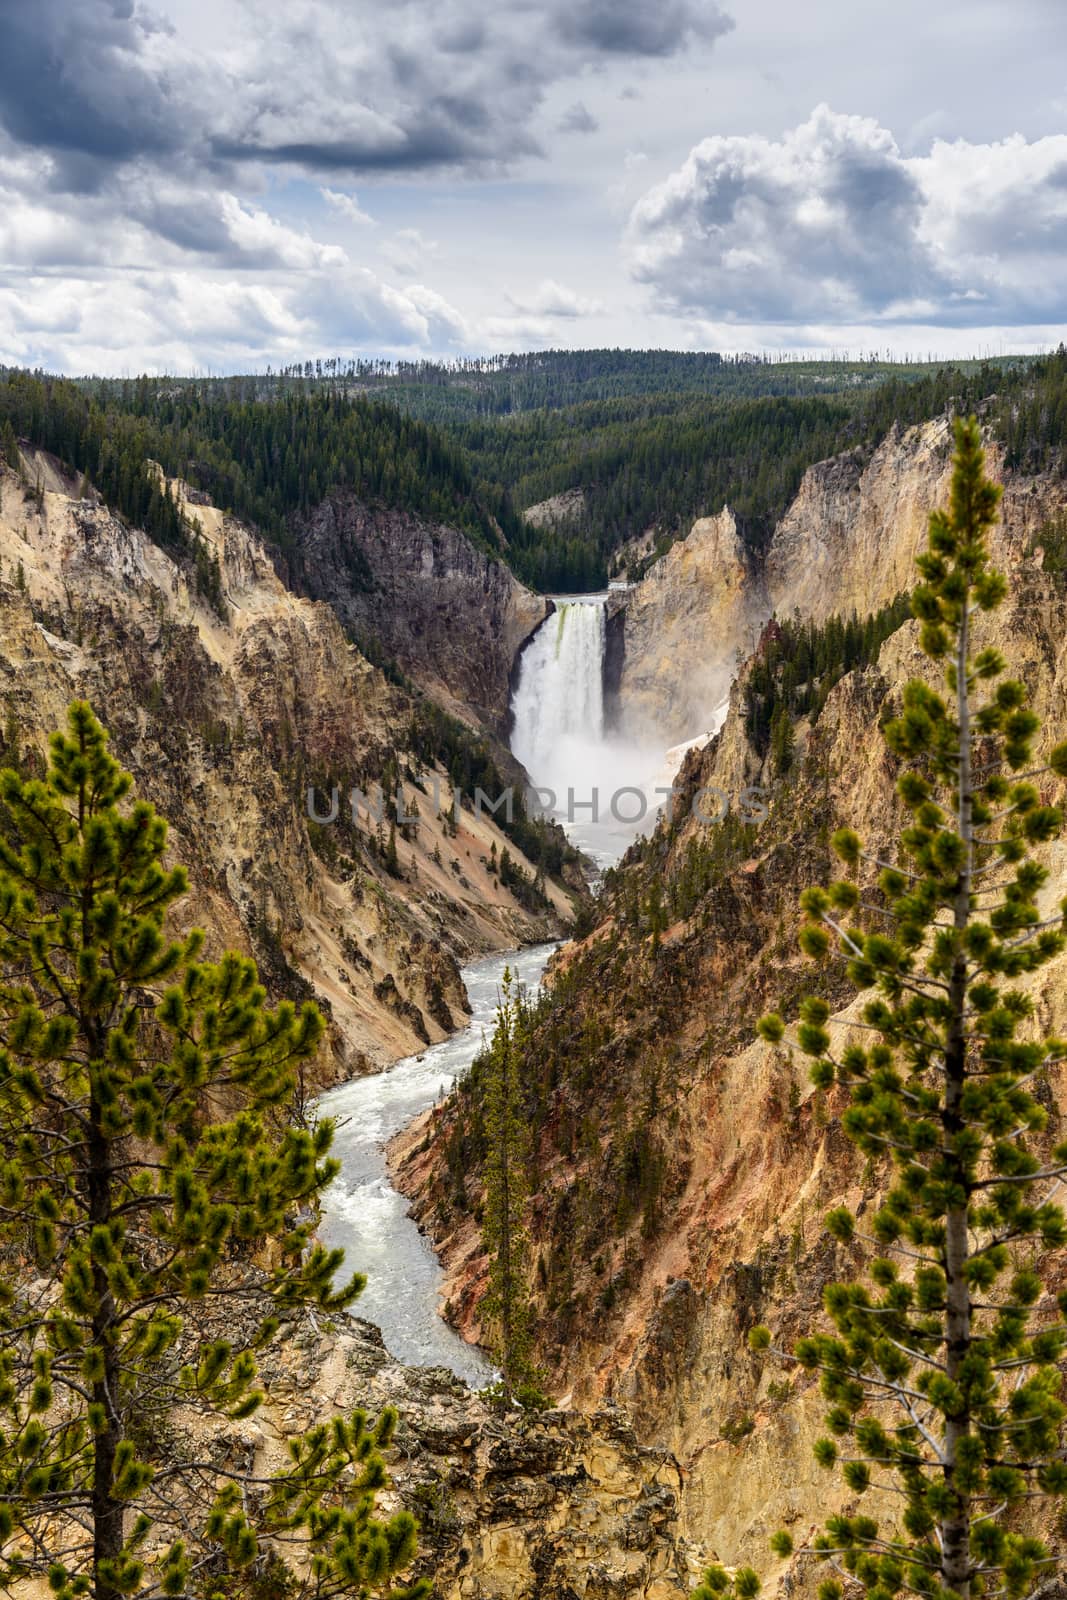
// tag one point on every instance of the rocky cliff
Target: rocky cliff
(451, 616)
(226, 711)
(682, 628)
(559, 1506)
(684, 1170)
(847, 543)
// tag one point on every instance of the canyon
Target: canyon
(450, 615)
(228, 715)
(683, 1170)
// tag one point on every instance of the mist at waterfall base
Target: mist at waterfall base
(559, 735)
(364, 1214)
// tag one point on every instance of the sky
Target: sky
(214, 185)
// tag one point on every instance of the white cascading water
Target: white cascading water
(558, 708)
(558, 731)
(559, 736)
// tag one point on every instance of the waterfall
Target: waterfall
(558, 704)
(606, 789)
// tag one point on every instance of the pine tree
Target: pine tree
(506, 1305)
(942, 1373)
(392, 860)
(782, 740)
(9, 446)
(126, 1200)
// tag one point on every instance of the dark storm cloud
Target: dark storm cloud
(636, 28)
(577, 119)
(422, 149)
(327, 85)
(77, 78)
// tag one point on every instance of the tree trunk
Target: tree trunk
(107, 1510)
(955, 1528)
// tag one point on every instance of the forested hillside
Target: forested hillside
(264, 461)
(659, 463)
(552, 380)
(653, 440)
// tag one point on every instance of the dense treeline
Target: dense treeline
(658, 439)
(1031, 420)
(641, 470)
(659, 463)
(266, 461)
(797, 665)
(512, 385)
(111, 449)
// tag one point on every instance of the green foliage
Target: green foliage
(506, 1304)
(942, 1374)
(738, 1428)
(1052, 539)
(436, 737)
(9, 446)
(132, 1203)
(507, 386)
(1032, 420)
(113, 450)
(653, 439)
(797, 665)
(656, 457)
(643, 465)
(208, 577)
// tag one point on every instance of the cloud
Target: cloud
(320, 84)
(637, 29)
(181, 280)
(148, 147)
(97, 83)
(552, 299)
(577, 119)
(181, 320)
(408, 251)
(348, 206)
(833, 224)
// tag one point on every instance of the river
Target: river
(364, 1213)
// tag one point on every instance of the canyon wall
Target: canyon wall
(846, 543)
(225, 715)
(682, 628)
(684, 1168)
(452, 617)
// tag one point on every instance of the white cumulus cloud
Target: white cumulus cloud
(833, 223)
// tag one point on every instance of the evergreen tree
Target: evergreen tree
(942, 1373)
(126, 1202)
(506, 1305)
(782, 740)
(392, 860)
(9, 446)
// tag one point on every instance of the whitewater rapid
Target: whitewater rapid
(362, 1211)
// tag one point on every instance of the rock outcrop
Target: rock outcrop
(452, 617)
(558, 510)
(510, 1507)
(683, 626)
